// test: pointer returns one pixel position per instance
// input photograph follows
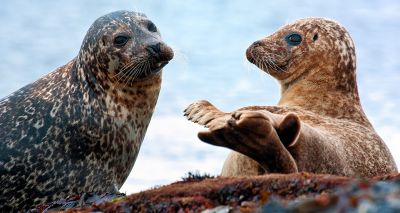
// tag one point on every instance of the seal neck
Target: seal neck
(91, 76)
(324, 93)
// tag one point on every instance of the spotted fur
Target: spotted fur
(79, 128)
(318, 126)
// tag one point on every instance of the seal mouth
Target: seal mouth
(154, 69)
(157, 67)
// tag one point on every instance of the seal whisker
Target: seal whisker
(144, 68)
(262, 64)
(129, 69)
(259, 64)
(136, 71)
(123, 77)
(130, 76)
(139, 69)
(266, 67)
(148, 68)
(272, 63)
(126, 66)
(129, 66)
(122, 73)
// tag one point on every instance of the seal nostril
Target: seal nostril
(256, 44)
(154, 49)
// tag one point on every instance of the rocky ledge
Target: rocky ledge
(301, 192)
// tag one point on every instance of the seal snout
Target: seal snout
(250, 51)
(269, 55)
(160, 51)
(160, 54)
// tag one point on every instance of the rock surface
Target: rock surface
(300, 192)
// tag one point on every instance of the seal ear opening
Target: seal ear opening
(289, 130)
(315, 37)
(103, 40)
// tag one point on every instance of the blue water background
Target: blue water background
(209, 38)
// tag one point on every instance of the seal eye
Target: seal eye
(121, 40)
(293, 39)
(151, 27)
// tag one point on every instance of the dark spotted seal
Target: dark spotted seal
(80, 128)
(318, 126)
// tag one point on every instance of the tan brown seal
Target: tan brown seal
(80, 128)
(318, 125)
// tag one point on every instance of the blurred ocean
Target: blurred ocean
(209, 38)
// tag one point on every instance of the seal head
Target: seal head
(297, 48)
(123, 47)
(308, 55)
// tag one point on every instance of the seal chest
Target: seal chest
(79, 128)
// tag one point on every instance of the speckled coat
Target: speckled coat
(78, 129)
(318, 126)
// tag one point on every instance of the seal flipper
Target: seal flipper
(289, 129)
(252, 134)
(202, 112)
